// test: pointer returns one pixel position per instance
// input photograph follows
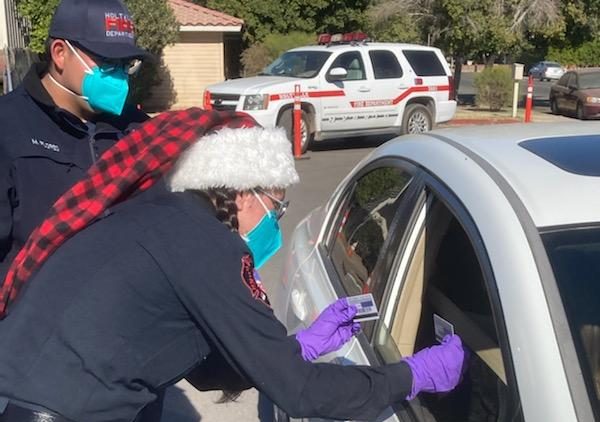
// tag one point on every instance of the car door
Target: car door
(389, 82)
(443, 270)
(571, 98)
(559, 90)
(340, 112)
(370, 217)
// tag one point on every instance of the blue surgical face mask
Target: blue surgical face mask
(265, 239)
(105, 91)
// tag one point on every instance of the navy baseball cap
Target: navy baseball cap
(103, 27)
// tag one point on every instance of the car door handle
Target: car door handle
(364, 89)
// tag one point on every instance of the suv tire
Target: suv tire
(417, 119)
(286, 121)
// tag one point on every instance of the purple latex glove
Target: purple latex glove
(438, 368)
(330, 331)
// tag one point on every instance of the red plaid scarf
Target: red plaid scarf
(132, 165)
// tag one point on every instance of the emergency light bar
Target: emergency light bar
(349, 37)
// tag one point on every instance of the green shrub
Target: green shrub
(494, 88)
(256, 57)
(587, 54)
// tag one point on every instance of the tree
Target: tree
(478, 28)
(263, 17)
(156, 27)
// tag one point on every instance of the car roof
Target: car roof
(554, 168)
(344, 47)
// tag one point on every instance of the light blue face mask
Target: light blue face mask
(265, 239)
(104, 90)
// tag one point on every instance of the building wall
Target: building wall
(192, 63)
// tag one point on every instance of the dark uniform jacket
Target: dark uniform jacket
(141, 297)
(44, 150)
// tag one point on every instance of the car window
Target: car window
(364, 226)
(425, 62)
(353, 63)
(563, 81)
(299, 64)
(589, 80)
(385, 64)
(574, 254)
(444, 277)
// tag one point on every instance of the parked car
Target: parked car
(495, 229)
(349, 87)
(546, 70)
(578, 94)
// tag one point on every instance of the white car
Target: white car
(347, 89)
(494, 229)
(547, 70)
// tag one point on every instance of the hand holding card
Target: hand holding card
(366, 308)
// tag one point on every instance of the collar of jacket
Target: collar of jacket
(71, 123)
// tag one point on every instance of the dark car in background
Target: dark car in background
(577, 93)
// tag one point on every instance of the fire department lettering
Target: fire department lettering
(118, 25)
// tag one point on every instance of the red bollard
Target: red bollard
(297, 122)
(206, 103)
(529, 101)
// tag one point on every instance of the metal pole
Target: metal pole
(515, 98)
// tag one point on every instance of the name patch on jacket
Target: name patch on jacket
(252, 283)
(44, 144)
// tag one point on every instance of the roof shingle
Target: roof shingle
(191, 14)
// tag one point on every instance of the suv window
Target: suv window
(353, 63)
(444, 277)
(385, 64)
(425, 62)
(364, 226)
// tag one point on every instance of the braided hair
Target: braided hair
(223, 199)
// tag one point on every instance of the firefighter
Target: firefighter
(120, 299)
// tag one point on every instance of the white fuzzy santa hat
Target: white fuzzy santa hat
(239, 159)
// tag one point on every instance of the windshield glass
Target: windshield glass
(575, 258)
(552, 65)
(589, 80)
(297, 64)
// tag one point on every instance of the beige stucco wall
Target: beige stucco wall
(194, 62)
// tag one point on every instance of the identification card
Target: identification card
(366, 309)
(441, 327)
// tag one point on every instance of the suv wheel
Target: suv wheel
(417, 119)
(286, 121)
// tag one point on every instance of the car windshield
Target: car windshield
(552, 65)
(575, 258)
(297, 64)
(589, 80)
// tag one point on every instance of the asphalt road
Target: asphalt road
(320, 172)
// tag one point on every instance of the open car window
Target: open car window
(440, 273)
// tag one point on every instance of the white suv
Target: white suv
(347, 89)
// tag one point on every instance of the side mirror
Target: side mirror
(337, 74)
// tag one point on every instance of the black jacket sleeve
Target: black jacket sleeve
(247, 334)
